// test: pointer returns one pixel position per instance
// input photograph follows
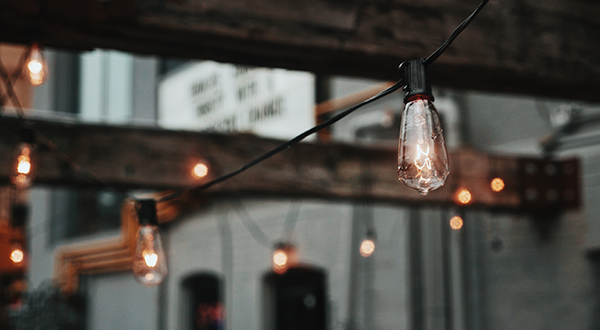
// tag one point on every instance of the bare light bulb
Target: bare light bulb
(422, 155)
(200, 170)
(280, 261)
(456, 222)
(36, 66)
(367, 247)
(497, 184)
(16, 254)
(149, 261)
(23, 168)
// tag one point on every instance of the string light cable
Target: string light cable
(414, 80)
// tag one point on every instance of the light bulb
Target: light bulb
(36, 66)
(200, 170)
(456, 222)
(497, 184)
(422, 155)
(149, 261)
(23, 168)
(280, 261)
(367, 247)
(16, 254)
(463, 196)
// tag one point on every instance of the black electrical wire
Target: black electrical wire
(434, 56)
(285, 145)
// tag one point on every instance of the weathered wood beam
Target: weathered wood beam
(161, 159)
(546, 48)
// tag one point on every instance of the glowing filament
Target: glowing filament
(17, 256)
(280, 258)
(24, 164)
(150, 257)
(367, 247)
(34, 67)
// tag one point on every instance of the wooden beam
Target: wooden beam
(161, 159)
(546, 48)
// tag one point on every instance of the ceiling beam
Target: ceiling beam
(130, 158)
(546, 48)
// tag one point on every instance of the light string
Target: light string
(12, 95)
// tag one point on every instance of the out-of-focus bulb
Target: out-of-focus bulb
(149, 265)
(200, 170)
(367, 247)
(36, 66)
(280, 261)
(149, 261)
(463, 196)
(17, 255)
(497, 184)
(23, 168)
(456, 222)
(422, 155)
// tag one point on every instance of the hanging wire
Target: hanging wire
(259, 236)
(8, 81)
(283, 146)
(290, 221)
(459, 29)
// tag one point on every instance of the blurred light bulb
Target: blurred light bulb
(149, 261)
(17, 255)
(367, 247)
(149, 265)
(200, 170)
(280, 261)
(463, 196)
(23, 169)
(36, 66)
(422, 155)
(456, 222)
(497, 184)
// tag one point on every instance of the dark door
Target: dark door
(297, 300)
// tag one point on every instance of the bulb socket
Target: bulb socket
(416, 76)
(147, 212)
(27, 135)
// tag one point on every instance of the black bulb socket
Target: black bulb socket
(416, 77)
(147, 212)
(27, 135)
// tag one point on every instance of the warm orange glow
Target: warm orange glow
(497, 184)
(200, 170)
(149, 276)
(280, 260)
(24, 164)
(17, 256)
(456, 222)
(367, 247)
(463, 196)
(150, 257)
(35, 66)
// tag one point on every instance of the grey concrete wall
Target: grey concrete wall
(117, 301)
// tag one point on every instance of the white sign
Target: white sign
(210, 96)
